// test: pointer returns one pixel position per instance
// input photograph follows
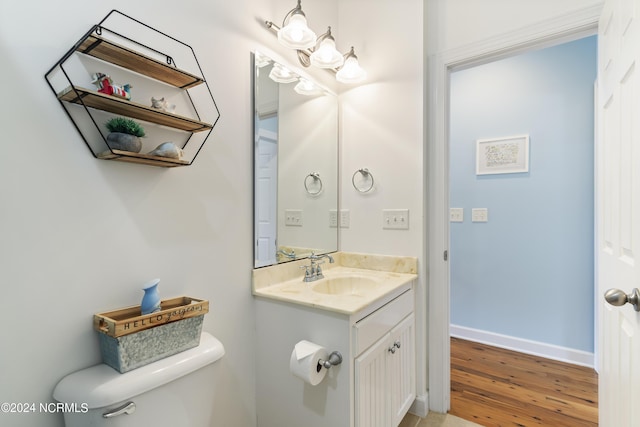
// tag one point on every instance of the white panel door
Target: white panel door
(402, 369)
(266, 224)
(370, 370)
(618, 212)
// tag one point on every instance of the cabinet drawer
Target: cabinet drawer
(370, 329)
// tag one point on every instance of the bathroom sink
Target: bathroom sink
(346, 285)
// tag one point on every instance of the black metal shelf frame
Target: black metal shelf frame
(99, 29)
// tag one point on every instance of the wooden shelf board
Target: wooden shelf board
(109, 51)
(131, 109)
(146, 159)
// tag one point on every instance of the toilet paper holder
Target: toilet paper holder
(335, 358)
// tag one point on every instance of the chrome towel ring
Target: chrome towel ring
(315, 178)
(366, 175)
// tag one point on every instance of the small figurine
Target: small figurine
(105, 85)
(167, 149)
(162, 105)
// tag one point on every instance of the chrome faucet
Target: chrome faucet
(313, 272)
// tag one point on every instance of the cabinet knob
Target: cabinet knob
(397, 344)
(392, 349)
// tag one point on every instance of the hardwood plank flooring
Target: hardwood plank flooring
(498, 388)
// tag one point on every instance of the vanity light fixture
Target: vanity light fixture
(281, 74)
(326, 55)
(305, 87)
(295, 34)
(351, 72)
(320, 52)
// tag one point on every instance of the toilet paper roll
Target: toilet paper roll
(304, 362)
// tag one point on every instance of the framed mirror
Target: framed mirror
(295, 165)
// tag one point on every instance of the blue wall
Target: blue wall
(528, 271)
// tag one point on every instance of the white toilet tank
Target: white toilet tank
(175, 391)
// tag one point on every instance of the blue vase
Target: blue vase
(151, 299)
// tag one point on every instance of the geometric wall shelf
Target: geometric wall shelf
(146, 60)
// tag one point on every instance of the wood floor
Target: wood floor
(496, 387)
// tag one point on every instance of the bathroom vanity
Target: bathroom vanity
(363, 308)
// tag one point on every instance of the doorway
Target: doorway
(521, 186)
(568, 29)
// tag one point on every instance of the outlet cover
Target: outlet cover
(293, 217)
(395, 219)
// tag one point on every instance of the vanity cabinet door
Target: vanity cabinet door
(371, 394)
(401, 366)
(385, 378)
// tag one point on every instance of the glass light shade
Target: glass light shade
(327, 56)
(351, 72)
(296, 34)
(305, 87)
(281, 74)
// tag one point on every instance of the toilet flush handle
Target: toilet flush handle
(128, 408)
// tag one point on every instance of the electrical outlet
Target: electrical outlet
(395, 219)
(293, 217)
(333, 218)
(479, 215)
(345, 218)
(456, 214)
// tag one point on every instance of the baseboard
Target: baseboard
(420, 406)
(549, 351)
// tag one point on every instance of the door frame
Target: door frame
(578, 24)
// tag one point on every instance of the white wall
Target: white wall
(382, 130)
(452, 24)
(79, 235)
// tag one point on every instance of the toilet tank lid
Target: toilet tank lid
(101, 385)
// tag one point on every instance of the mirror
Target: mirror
(295, 165)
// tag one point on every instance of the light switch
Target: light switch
(395, 219)
(333, 218)
(345, 218)
(479, 215)
(456, 214)
(293, 217)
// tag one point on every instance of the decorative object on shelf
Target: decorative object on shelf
(162, 105)
(124, 134)
(317, 51)
(146, 54)
(151, 298)
(167, 149)
(105, 85)
(366, 176)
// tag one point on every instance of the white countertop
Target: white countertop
(297, 291)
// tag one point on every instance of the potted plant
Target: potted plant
(124, 134)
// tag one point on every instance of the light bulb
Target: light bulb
(351, 72)
(296, 34)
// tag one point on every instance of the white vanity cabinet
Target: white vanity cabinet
(384, 373)
(374, 385)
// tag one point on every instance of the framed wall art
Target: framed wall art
(502, 155)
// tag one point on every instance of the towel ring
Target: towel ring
(316, 177)
(365, 173)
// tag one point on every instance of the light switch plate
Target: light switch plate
(333, 218)
(293, 217)
(395, 219)
(345, 218)
(479, 215)
(456, 214)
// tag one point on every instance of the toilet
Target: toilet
(176, 391)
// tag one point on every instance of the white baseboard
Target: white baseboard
(549, 351)
(420, 406)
